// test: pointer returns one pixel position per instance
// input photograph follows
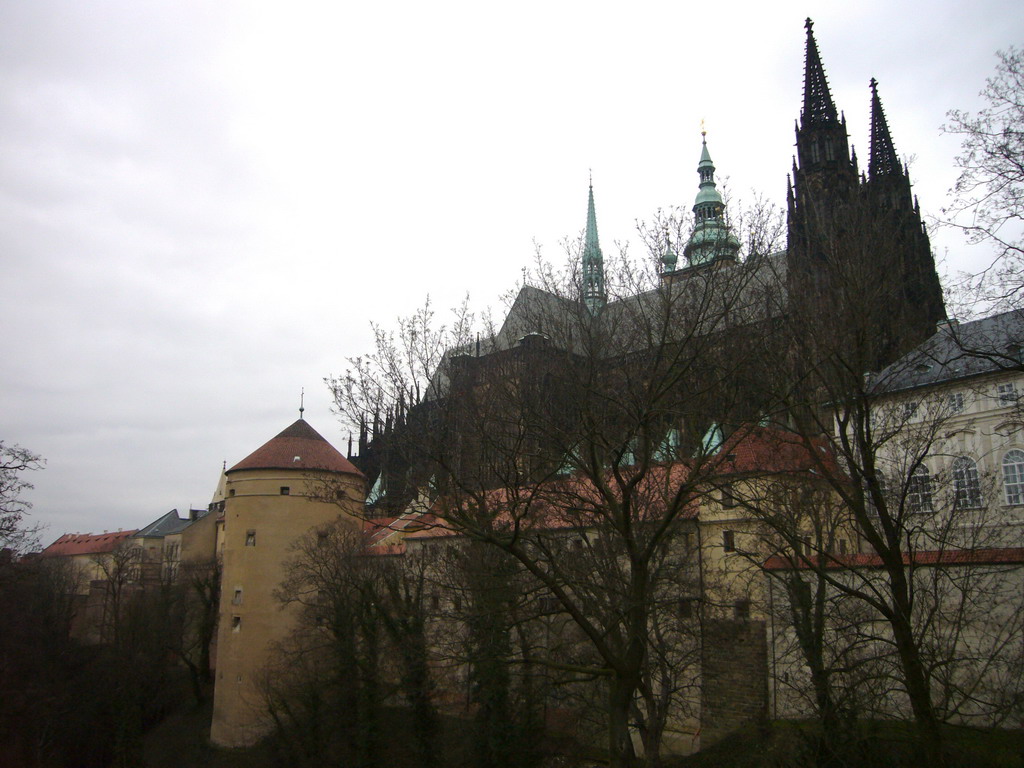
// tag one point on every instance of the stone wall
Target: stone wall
(734, 661)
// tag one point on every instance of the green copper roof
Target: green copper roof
(711, 238)
(593, 293)
(705, 156)
(591, 247)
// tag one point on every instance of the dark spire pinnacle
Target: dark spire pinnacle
(883, 160)
(818, 106)
(302, 401)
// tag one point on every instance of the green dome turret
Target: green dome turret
(711, 239)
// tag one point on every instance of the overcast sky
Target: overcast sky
(204, 204)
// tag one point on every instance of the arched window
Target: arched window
(1013, 476)
(966, 486)
(919, 490)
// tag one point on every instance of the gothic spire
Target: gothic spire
(883, 160)
(593, 261)
(710, 239)
(819, 108)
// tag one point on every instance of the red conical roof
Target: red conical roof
(298, 447)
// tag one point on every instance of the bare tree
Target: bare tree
(15, 461)
(360, 645)
(988, 197)
(880, 443)
(579, 444)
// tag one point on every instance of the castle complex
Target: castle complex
(856, 232)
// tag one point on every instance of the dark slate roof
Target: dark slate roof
(164, 525)
(297, 447)
(959, 351)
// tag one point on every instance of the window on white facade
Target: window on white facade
(1006, 393)
(729, 541)
(919, 490)
(966, 485)
(728, 499)
(909, 409)
(1013, 476)
(741, 609)
(955, 401)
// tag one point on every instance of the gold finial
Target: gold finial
(703, 130)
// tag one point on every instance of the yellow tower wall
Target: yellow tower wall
(260, 526)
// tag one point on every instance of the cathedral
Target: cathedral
(857, 254)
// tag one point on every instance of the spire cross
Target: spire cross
(302, 401)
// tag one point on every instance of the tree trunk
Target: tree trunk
(620, 700)
(915, 680)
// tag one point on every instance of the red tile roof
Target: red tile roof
(87, 543)
(573, 502)
(297, 447)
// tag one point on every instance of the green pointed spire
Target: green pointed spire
(711, 239)
(593, 261)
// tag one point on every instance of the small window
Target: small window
(955, 402)
(688, 541)
(729, 541)
(741, 609)
(842, 546)
(910, 409)
(458, 603)
(236, 623)
(1013, 476)
(966, 485)
(231, 492)
(250, 538)
(321, 538)
(237, 599)
(728, 498)
(285, 490)
(435, 602)
(1007, 393)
